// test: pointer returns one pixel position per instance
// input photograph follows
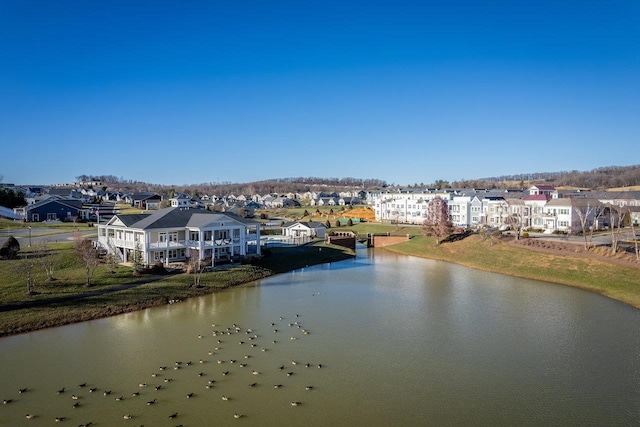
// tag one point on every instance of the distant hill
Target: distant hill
(596, 179)
(621, 177)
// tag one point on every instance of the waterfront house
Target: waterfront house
(304, 229)
(174, 234)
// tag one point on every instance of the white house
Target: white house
(304, 229)
(174, 234)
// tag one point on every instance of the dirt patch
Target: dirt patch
(601, 253)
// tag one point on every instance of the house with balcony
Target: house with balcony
(173, 235)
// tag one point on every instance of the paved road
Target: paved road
(41, 234)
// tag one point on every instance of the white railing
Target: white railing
(172, 244)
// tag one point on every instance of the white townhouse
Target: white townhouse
(460, 210)
(559, 215)
(496, 210)
(171, 234)
(404, 206)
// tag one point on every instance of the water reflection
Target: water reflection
(402, 341)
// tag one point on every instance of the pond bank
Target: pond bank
(144, 293)
(592, 273)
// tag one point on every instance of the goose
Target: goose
(167, 380)
(22, 390)
(255, 372)
(319, 365)
(29, 416)
(295, 403)
(75, 405)
(74, 397)
(158, 387)
(308, 365)
(232, 361)
(201, 374)
(242, 365)
(60, 391)
(119, 398)
(92, 389)
(201, 361)
(281, 367)
(225, 398)
(172, 416)
(293, 362)
(127, 416)
(58, 419)
(189, 363)
(211, 381)
(162, 368)
(189, 395)
(225, 373)
(135, 393)
(253, 384)
(236, 415)
(107, 392)
(277, 385)
(309, 387)
(289, 374)
(142, 384)
(83, 385)
(7, 401)
(154, 375)
(151, 402)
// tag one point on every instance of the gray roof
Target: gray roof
(177, 218)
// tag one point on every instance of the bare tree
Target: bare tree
(195, 266)
(25, 266)
(47, 258)
(584, 213)
(517, 218)
(616, 217)
(437, 222)
(90, 257)
(112, 256)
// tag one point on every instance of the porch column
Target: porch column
(201, 244)
(258, 239)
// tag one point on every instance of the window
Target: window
(51, 217)
(194, 235)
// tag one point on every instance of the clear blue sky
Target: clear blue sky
(186, 92)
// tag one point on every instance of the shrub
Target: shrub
(10, 248)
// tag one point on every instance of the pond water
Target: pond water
(388, 340)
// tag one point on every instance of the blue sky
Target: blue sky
(187, 92)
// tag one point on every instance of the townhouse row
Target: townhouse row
(538, 208)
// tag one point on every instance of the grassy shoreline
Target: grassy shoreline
(595, 275)
(66, 301)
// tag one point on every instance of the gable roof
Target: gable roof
(176, 218)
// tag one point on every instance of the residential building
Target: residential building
(174, 234)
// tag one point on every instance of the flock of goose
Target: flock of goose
(207, 379)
